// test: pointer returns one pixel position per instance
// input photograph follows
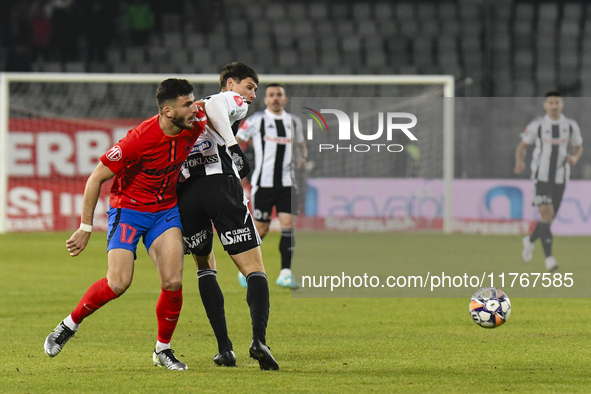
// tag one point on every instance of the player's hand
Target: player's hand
(519, 167)
(301, 163)
(240, 160)
(570, 159)
(77, 242)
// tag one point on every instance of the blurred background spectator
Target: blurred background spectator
(41, 29)
(139, 21)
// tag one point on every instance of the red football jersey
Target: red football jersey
(147, 164)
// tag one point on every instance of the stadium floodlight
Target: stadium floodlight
(109, 104)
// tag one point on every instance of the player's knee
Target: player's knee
(172, 284)
(547, 215)
(119, 285)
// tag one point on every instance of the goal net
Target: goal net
(54, 128)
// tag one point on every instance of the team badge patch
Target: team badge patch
(238, 100)
(114, 154)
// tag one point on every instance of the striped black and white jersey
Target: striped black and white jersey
(272, 137)
(210, 155)
(552, 139)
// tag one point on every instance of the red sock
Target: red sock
(96, 296)
(168, 310)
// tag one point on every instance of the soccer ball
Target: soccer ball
(490, 307)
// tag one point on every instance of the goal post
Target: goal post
(70, 96)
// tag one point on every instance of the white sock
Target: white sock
(284, 272)
(160, 346)
(70, 323)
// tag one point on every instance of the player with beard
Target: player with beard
(143, 204)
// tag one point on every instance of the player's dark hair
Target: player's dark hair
(553, 93)
(276, 85)
(237, 71)
(171, 89)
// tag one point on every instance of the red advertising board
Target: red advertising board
(49, 161)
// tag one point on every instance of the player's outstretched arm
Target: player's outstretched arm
(78, 241)
(302, 154)
(519, 157)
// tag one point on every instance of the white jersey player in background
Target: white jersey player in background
(211, 192)
(273, 133)
(552, 134)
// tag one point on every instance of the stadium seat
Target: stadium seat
(160, 54)
(144, 68)
(53, 67)
(113, 55)
(405, 11)
(135, 55)
(275, 11)
(297, 11)
(383, 11)
(340, 10)
(367, 28)
(75, 67)
(375, 58)
(216, 40)
(362, 10)
(121, 68)
(254, 11)
(318, 10)
(447, 12)
(173, 39)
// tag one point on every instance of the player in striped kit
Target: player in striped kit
(211, 191)
(143, 204)
(552, 135)
(273, 131)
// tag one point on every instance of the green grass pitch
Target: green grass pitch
(322, 345)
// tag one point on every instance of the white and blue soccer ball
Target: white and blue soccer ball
(490, 307)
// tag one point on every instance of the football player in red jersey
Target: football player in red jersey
(143, 204)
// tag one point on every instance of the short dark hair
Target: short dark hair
(171, 89)
(237, 71)
(276, 85)
(553, 93)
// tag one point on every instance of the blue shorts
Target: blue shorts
(126, 226)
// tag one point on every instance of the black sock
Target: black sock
(536, 234)
(546, 238)
(257, 297)
(286, 246)
(213, 302)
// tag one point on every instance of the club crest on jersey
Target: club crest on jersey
(238, 100)
(202, 146)
(114, 154)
